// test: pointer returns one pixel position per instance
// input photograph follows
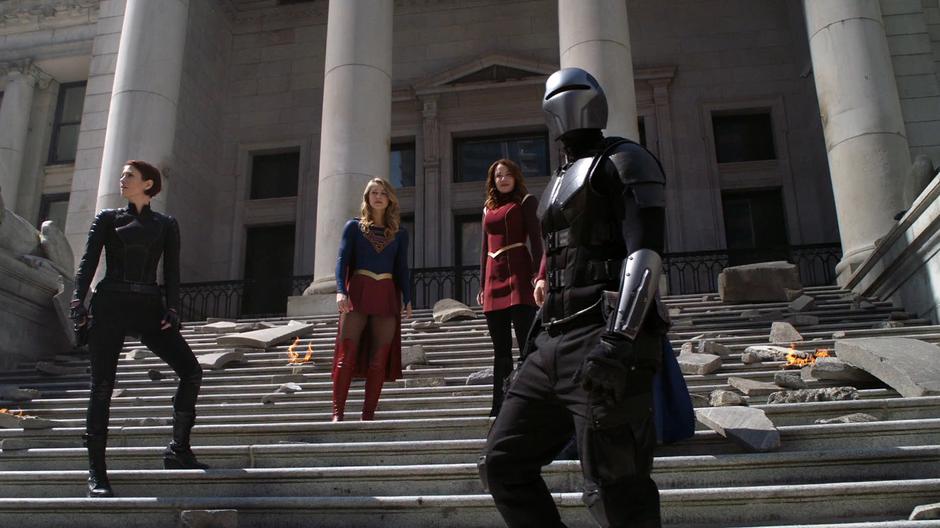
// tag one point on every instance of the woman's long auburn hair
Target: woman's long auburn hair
(392, 212)
(494, 198)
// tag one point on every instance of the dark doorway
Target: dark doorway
(269, 268)
(755, 226)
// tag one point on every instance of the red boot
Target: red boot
(342, 376)
(375, 378)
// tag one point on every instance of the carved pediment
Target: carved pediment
(485, 72)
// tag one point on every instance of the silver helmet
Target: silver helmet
(573, 100)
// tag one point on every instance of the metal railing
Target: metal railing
(687, 273)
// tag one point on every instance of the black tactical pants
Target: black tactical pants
(501, 324)
(115, 315)
(542, 408)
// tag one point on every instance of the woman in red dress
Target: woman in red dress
(507, 268)
(372, 284)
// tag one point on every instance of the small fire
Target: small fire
(18, 414)
(293, 357)
(798, 359)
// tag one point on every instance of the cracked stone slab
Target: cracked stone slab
(45, 367)
(926, 512)
(139, 353)
(281, 393)
(18, 394)
(761, 282)
(789, 380)
(11, 421)
(424, 326)
(700, 364)
(909, 366)
(225, 327)
(751, 387)
(220, 360)
(266, 337)
(746, 426)
(834, 369)
(449, 310)
(803, 303)
(481, 377)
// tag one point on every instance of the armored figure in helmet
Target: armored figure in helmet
(591, 357)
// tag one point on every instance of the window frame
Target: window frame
(459, 141)
(58, 123)
(261, 153)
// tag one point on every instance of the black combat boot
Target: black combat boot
(98, 484)
(179, 455)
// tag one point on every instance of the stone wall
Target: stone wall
(913, 31)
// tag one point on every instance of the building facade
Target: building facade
(267, 115)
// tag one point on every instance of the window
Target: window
(473, 156)
(54, 207)
(68, 119)
(468, 231)
(402, 170)
(274, 175)
(743, 137)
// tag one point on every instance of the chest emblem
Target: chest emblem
(378, 240)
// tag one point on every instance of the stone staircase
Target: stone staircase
(283, 464)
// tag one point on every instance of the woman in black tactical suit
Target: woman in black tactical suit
(128, 301)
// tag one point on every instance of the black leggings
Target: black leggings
(115, 315)
(501, 324)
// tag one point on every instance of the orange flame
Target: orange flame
(18, 414)
(797, 359)
(293, 357)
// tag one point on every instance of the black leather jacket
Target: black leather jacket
(133, 242)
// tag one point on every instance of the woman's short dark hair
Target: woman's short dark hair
(148, 172)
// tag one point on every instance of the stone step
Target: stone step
(827, 503)
(140, 475)
(793, 437)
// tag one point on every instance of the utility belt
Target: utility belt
(595, 272)
(116, 286)
(500, 251)
(373, 275)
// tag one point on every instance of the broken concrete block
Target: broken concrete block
(725, 398)
(139, 353)
(267, 337)
(699, 364)
(449, 310)
(834, 369)
(424, 325)
(45, 367)
(803, 303)
(413, 355)
(751, 387)
(783, 332)
(909, 366)
(746, 426)
(220, 360)
(155, 375)
(481, 377)
(848, 418)
(789, 380)
(761, 282)
(117, 393)
(13, 421)
(225, 327)
(759, 353)
(801, 319)
(814, 395)
(707, 346)
(411, 383)
(926, 512)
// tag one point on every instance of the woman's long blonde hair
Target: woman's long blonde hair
(392, 212)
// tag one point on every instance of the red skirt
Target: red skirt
(373, 297)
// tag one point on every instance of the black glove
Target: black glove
(171, 318)
(610, 371)
(78, 314)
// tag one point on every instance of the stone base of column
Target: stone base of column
(318, 299)
(850, 262)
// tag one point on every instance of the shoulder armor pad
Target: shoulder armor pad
(635, 164)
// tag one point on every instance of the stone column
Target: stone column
(14, 127)
(431, 204)
(142, 119)
(862, 122)
(355, 132)
(594, 35)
